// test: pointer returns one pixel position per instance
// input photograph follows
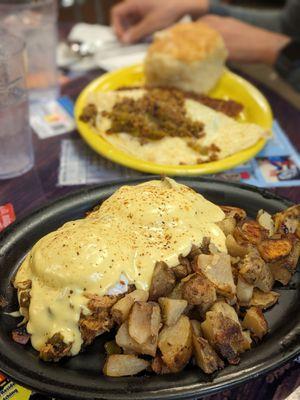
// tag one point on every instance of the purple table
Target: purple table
(39, 186)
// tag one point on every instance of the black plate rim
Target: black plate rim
(187, 391)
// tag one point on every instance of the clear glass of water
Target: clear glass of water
(36, 22)
(16, 152)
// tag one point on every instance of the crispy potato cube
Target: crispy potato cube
(120, 310)
(175, 344)
(171, 309)
(244, 291)
(237, 213)
(217, 269)
(159, 367)
(266, 221)
(256, 272)
(177, 291)
(274, 249)
(227, 225)
(255, 321)
(234, 248)
(280, 273)
(124, 365)
(225, 336)
(144, 321)
(198, 290)
(129, 345)
(249, 231)
(226, 310)
(183, 269)
(263, 300)
(205, 356)
(163, 281)
(196, 327)
(287, 221)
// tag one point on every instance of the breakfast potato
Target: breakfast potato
(256, 272)
(244, 291)
(177, 291)
(287, 221)
(237, 213)
(120, 310)
(124, 365)
(175, 344)
(266, 221)
(163, 281)
(274, 249)
(225, 335)
(171, 309)
(205, 356)
(263, 300)
(234, 248)
(144, 321)
(280, 272)
(183, 269)
(249, 231)
(159, 367)
(129, 345)
(255, 321)
(226, 310)
(217, 269)
(197, 290)
(227, 225)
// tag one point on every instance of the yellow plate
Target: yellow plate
(256, 109)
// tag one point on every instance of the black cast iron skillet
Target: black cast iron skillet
(80, 377)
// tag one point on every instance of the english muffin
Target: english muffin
(188, 56)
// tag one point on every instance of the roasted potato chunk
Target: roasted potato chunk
(234, 248)
(244, 291)
(225, 335)
(266, 221)
(274, 249)
(255, 321)
(124, 365)
(287, 221)
(206, 357)
(171, 309)
(129, 345)
(163, 281)
(263, 300)
(175, 344)
(249, 231)
(227, 225)
(256, 272)
(159, 367)
(226, 310)
(217, 269)
(144, 321)
(198, 290)
(237, 213)
(183, 269)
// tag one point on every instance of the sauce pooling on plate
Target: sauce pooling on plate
(132, 230)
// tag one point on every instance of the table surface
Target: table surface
(39, 186)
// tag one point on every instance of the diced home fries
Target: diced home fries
(207, 309)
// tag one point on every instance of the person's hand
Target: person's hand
(247, 43)
(133, 20)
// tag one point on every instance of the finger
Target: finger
(118, 16)
(145, 27)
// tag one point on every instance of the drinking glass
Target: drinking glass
(36, 22)
(16, 152)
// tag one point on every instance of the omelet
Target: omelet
(202, 134)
